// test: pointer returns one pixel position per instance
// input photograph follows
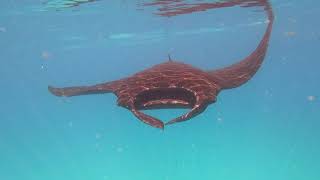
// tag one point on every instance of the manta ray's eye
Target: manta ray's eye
(165, 98)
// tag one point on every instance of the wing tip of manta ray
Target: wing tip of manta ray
(56, 91)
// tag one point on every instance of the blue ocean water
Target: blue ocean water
(265, 129)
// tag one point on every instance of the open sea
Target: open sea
(266, 129)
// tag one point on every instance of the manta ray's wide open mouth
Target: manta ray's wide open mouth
(165, 98)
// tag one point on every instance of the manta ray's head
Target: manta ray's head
(168, 98)
(164, 86)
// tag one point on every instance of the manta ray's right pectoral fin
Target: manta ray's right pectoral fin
(83, 90)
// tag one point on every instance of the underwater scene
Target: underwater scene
(159, 90)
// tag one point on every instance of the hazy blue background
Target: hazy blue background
(266, 129)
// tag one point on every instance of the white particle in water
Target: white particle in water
(3, 29)
(70, 124)
(292, 20)
(119, 149)
(46, 55)
(98, 135)
(311, 98)
(290, 33)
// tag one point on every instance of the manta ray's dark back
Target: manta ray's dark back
(174, 84)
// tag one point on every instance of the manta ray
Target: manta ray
(174, 84)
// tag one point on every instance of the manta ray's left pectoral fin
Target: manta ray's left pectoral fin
(83, 90)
